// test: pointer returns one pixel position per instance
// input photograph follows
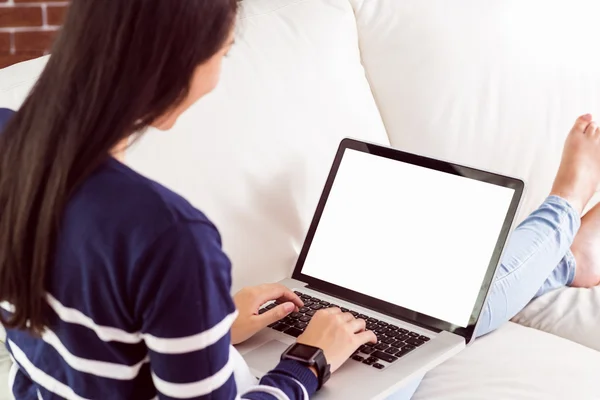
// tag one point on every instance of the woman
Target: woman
(113, 287)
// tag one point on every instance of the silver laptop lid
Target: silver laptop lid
(408, 236)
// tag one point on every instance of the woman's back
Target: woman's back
(128, 285)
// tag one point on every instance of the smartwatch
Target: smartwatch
(311, 357)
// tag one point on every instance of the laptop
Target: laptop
(408, 243)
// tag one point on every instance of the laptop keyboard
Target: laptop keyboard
(392, 342)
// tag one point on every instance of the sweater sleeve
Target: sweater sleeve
(186, 310)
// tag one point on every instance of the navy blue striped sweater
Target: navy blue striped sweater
(139, 304)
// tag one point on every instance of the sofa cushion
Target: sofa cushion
(254, 154)
(5, 365)
(569, 313)
(516, 363)
(493, 85)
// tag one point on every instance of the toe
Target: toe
(591, 129)
(583, 122)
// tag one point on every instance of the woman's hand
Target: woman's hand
(249, 299)
(337, 334)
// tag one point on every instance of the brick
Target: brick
(34, 41)
(20, 16)
(4, 43)
(56, 15)
(10, 59)
(41, 1)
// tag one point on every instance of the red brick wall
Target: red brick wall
(27, 28)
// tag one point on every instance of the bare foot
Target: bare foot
(579, 172)
(586, 249)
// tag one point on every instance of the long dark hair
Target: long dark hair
(116, 67)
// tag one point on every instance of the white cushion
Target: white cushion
(5, 365)
(493, 85)
(516, 363)
(17, 80)
(570, 313)
(254, 155)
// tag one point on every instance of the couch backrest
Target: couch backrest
(495, 85)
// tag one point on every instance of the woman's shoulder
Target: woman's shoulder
(120, 199)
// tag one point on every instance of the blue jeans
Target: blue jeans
(536, 260)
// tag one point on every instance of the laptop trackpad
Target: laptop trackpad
(265, 358)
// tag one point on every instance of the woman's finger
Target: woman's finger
(276, 291)
(347, 317)
(357, 325)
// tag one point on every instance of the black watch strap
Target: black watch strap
(323, 369)
(311, 357)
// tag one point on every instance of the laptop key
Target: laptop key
(383, 323)
(301, 325)
(378, 366)
(304, 310)
(391, 350)
(298, 293)
(398, 344)
(424, 338)
(368, 361)
(272, 325)
(413, 334)
(316, 306)
(382, 346)
(295, 332)
(368, 350)
(271, 306)
(372, 320)
(324, 303)
(288, 321)
(333, 306)
(404, 351)
(295, 315)
(281, 327)
(362, 316)
(384, 356)
(345, 309)
(353, 313)
(304, 318)
(402, 337)
(402, 330)
(311, 312)
(262, 311)
(388, 340)
(393, 327)
(415, 342)
(358, 358)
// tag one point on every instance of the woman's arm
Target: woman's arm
(183, 287)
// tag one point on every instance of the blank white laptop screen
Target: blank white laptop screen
(412, 236)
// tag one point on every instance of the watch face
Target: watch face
(303, 352)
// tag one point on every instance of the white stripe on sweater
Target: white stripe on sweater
(194, 389)
(191, 343)
(105, 333)
(273, 391)
(40, 377)
(180, 345)
(98, 368)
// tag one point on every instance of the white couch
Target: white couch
(495, 85)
